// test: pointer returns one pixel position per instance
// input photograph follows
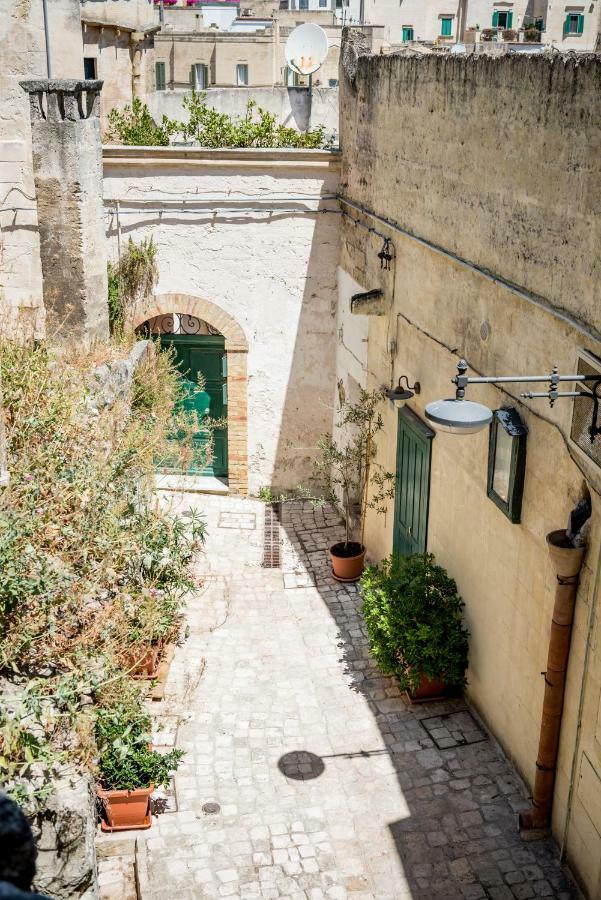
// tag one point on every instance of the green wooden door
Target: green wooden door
(203, 355)
(412, 492)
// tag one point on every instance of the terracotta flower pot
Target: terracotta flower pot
(126, 810)
(144, 660)
(348, 560)
(428, 689)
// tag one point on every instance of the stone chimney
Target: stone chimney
(67, 163)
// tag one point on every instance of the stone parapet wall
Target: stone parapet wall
(490, 158)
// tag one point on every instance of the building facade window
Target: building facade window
(89, 67)
(574, 24)
(502, 18)
(303, 4)
(407, 32)
(242, 74)
(159, 76)
(446, 26)
(200, 76)
(323, 4)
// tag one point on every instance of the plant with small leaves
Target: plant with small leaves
(134, 126)
(346, 468)
(413, 616)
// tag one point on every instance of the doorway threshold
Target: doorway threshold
(200, 484)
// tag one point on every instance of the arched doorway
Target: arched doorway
(207, 340)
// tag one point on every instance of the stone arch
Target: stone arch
(236, 348)
(160, 304)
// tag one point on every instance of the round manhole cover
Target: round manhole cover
(211, 809)
(301, 765)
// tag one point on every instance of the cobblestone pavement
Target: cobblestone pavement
(307, 774)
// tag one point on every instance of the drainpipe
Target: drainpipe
(567, 561)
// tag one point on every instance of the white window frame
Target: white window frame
(240, 68)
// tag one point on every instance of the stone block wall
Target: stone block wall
(484, 174)
(23, 56)
(243, 243)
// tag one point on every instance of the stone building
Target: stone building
(496, 263)
(247, 245)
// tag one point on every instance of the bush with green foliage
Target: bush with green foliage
(89, 564)
(126, 760)
(133, 125)
(413, 616)
(131, 280)
(209, 128)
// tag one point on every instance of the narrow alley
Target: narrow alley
(307, 774)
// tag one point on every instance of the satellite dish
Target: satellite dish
(306, 48)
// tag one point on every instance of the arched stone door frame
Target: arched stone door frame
(236, 348)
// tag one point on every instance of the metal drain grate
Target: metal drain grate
(453, 729)
(271, 537)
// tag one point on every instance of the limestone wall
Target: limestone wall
(23, 56)
(496, 259)
(237, 240)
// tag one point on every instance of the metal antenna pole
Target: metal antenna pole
(47, 39)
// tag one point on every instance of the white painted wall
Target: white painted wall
(289, 105)
(274, 272)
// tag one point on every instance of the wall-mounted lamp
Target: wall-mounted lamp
(400, 393)
(385, 256)
(460, 416)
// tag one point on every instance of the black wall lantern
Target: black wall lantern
(507, 462)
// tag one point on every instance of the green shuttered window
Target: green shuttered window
(407, 33)
(574, 24)
(159, 76)
(446, 27)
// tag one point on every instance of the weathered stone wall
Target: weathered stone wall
(477, 166)
(23, 56)
(240, 241)
(68, 180)
(490, 168)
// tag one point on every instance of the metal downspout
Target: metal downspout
(568, 562)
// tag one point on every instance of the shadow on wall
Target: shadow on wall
(300, 107)
(307, 410)
(458, 837)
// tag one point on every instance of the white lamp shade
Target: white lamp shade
(458, 416)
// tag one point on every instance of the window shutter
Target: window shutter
(580, 24)
(159, 71)
(495, 19)
(509, 19)
(566, 25)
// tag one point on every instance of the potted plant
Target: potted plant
(413, 616)
(489, 34)
(531, 34)
(346, 471)
(129, 768)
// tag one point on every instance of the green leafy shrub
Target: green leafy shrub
(209, 128)
(346, 468)
(130, 280)
(134, 126)
(89, 563)
(126, 762)
(413, 616)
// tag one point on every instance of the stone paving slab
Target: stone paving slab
(328, 784)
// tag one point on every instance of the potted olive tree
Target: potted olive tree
(347, 470)
(413, 616)
(130, 769)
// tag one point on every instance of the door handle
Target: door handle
(410, 531)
